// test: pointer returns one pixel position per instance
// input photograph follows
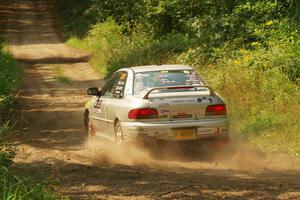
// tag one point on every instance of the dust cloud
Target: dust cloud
(242, 157)
(109, 153)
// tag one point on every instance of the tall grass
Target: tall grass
(263, 100)
(15, 188)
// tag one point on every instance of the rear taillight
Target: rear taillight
(143, 113)
(215, 110)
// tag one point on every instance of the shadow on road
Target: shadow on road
(51, 112)
(83, 182)
(25, 18)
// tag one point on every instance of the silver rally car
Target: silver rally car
(160, 102)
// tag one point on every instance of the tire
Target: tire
(86, 123)
(118, 133)
(89, 130)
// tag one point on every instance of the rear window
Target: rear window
(145, 80)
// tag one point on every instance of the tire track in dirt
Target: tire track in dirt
(52, 141)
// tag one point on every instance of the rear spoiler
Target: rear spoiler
(150, 90)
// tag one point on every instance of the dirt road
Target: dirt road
(50, 102)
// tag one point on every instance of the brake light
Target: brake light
(143, 113)
(215, 110)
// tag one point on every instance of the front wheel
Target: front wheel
(89, 129)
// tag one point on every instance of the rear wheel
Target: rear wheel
(118, 133)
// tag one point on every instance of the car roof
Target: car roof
(149, 68)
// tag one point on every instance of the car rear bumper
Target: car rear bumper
(204, 129)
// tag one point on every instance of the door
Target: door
(116, 102)
(100, 106)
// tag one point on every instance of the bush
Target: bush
(10, 74)
(112, 50)
(140, 51)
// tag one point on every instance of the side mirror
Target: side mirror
(93, 91)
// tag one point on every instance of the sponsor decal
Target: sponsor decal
(204, 100)
(97, 106)
(120, 83)
(123, 76)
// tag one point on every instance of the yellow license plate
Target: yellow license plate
(185, 134)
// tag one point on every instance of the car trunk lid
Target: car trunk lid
(182, 108)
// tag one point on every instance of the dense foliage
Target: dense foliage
(208, 25)
(249, 50)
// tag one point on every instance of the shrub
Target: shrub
(112, 50)
(10, 74)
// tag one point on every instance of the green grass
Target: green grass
(10, 75)
(60, 77)
(14, 187)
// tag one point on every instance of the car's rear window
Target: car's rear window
(145, 80)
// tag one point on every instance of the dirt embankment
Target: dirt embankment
(52, 140)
